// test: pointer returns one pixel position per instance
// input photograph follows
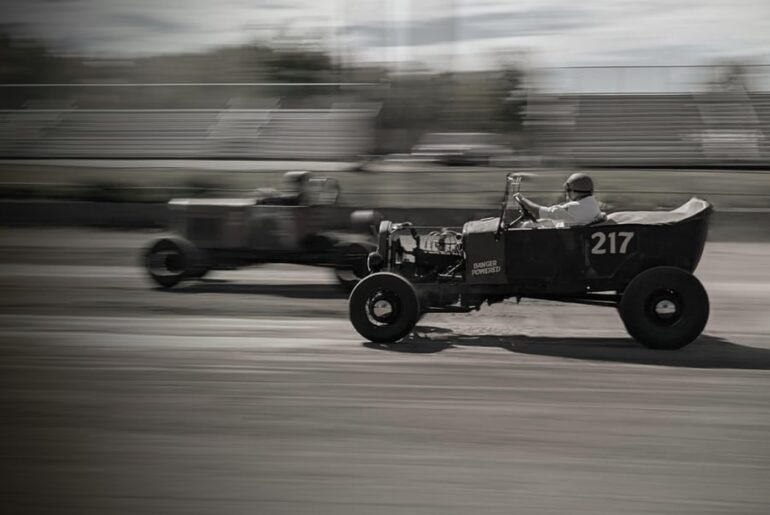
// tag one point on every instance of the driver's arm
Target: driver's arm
(530, 207)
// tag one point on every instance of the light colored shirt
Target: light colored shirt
(575, 212)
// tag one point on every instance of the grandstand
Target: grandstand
(332, 133)
(696, 129)
(708, 126)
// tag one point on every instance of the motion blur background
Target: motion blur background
(549, 85)
(256, 396)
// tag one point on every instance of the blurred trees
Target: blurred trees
(730, 77)
(488, 101)
(298, 65)
(410, 104)
(29, 61)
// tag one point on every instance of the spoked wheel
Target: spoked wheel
(171, 260)
(384, 307)
(664, 308)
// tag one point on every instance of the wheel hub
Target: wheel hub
(665, 308)
(382, 309)
(165, 262)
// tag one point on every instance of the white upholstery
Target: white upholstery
(689, 209)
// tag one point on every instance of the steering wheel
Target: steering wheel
(525, 214)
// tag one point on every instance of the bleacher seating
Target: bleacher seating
(186, 134)
(714, 129)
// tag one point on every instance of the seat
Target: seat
(691, 209)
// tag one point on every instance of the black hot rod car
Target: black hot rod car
(640, 262)
(299, 223)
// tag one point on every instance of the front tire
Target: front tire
(169, 261)
(664, 308)
(384, 307)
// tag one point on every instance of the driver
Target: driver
(294, 188)
(580, 208)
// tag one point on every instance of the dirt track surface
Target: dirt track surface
(251, 393)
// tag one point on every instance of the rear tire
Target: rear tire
(384, 307)
(169, 261)
(664, 308)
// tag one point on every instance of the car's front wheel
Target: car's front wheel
(664, 308)
(169, 261)
(384, 307)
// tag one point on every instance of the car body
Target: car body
(639, 262)
(463, 148)
(272, 225)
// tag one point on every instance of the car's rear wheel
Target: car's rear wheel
(384, 307)
(664, 308)
(169, 261)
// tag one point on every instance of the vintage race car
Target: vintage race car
(302, 226)
(641, 263)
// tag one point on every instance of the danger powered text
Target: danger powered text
(485, 267)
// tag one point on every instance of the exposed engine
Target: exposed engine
(444, 241)
(435, 256)
(430, 256)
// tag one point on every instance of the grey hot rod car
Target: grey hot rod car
(299, 223)
(639, 262)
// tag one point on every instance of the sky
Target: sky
(437, 34)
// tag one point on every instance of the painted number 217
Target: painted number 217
(607, 243)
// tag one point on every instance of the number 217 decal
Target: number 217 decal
(611, 242)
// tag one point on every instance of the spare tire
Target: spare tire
(664, 308)
(171, 260)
